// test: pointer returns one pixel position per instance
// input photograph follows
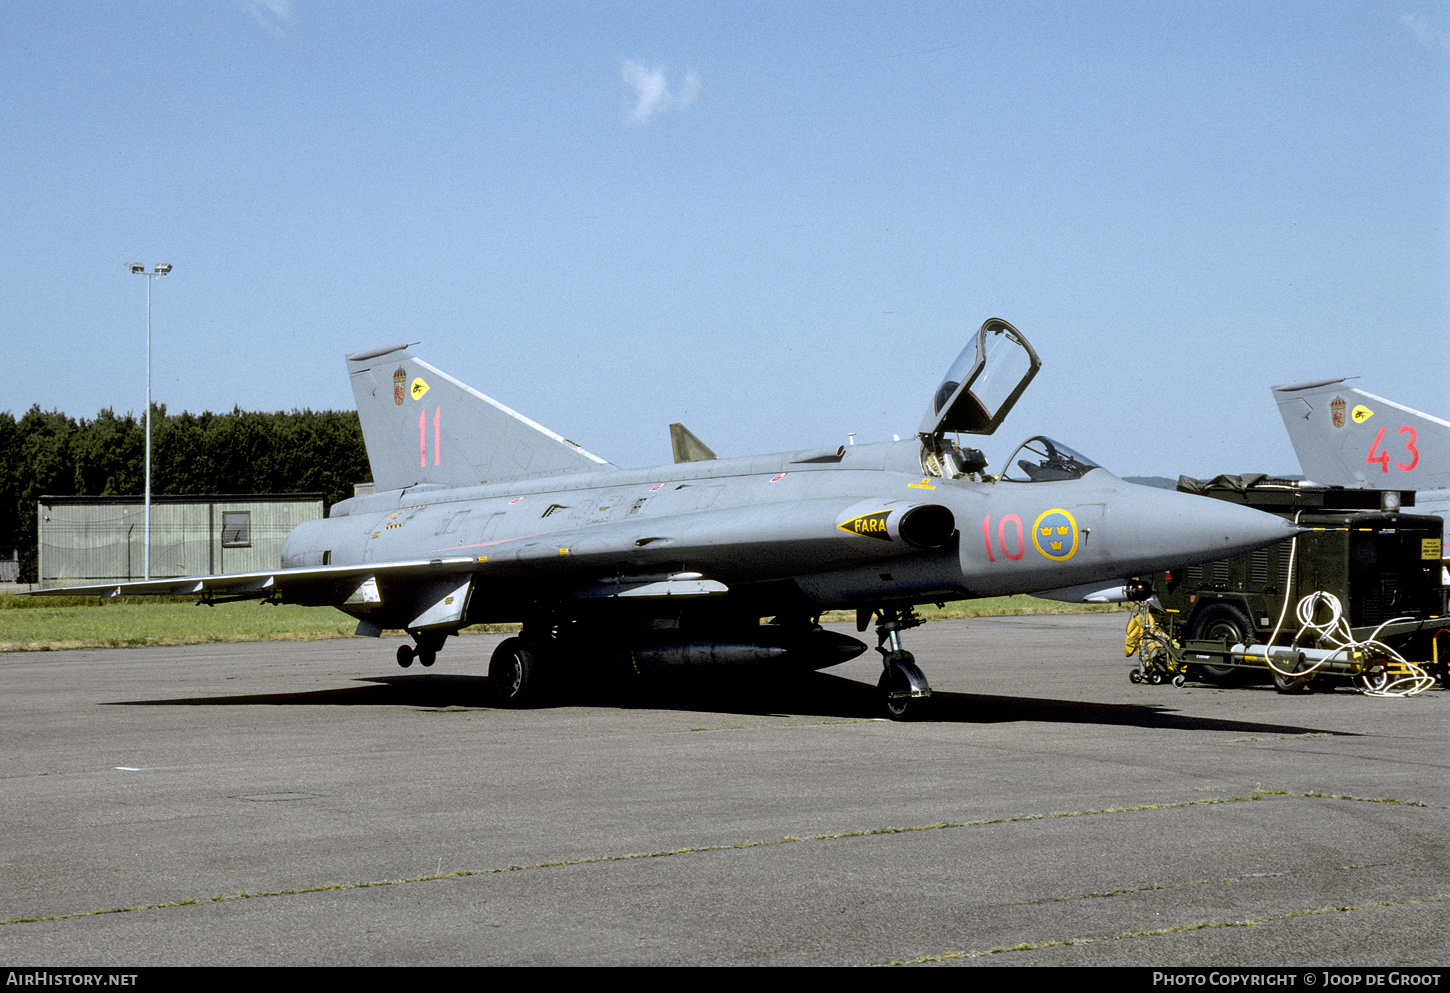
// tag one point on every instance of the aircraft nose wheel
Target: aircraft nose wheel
(903, 687)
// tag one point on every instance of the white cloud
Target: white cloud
(274, 15)
(652, 92)
(1426, 33)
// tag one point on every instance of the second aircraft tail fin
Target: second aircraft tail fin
(421, 425)
(1346, 437)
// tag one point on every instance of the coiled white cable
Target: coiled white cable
(1336, 634)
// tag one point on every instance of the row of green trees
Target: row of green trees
(46, 453)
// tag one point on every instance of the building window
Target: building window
(236, 529)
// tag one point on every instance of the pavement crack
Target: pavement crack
(1027, 946)
(1256, 795)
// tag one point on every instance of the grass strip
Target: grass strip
(29, 624)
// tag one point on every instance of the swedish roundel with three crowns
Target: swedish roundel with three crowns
(1054, 533)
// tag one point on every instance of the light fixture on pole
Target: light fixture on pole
(140, 270)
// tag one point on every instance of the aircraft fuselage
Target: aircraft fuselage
(808, 531)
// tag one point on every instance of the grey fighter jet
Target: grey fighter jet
(481, 514)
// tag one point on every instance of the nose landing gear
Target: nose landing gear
(903, 687)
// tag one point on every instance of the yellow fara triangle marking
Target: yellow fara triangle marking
(418, 389)
(1361, 413)
(871, 525)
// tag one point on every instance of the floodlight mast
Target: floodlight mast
(140, 270)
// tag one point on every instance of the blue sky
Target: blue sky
(777, 223)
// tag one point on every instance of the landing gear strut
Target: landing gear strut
(903, 687)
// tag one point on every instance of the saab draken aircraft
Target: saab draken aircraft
(1346, 437)
(480, 514)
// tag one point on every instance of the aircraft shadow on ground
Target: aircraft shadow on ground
(816, 694)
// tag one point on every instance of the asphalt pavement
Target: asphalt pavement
(310, 803)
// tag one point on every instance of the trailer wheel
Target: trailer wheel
(1291, 684)
(1221, 622)
(1374, 679)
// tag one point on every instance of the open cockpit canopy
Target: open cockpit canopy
(983, 383)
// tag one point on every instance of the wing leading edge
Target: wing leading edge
(262, 585)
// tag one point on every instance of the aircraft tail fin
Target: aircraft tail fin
(1344, 436)
(687, 447)
(421, 425)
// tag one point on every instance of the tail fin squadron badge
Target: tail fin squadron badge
(418, 389)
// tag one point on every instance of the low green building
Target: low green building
(88, 540)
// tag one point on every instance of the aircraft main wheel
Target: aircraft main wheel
(426, 657)
(405, 656)
(514, 673)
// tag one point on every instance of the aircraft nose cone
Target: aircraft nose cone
(1165, 525)
(1231, 528)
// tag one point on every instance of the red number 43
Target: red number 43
(1381, 457)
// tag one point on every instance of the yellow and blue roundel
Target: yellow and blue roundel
(1054, 533)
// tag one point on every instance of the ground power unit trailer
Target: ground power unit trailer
(1319, 608)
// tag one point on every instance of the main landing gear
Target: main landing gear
(523, 668)
(514, 670)
(903, 687)
(514, 673)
